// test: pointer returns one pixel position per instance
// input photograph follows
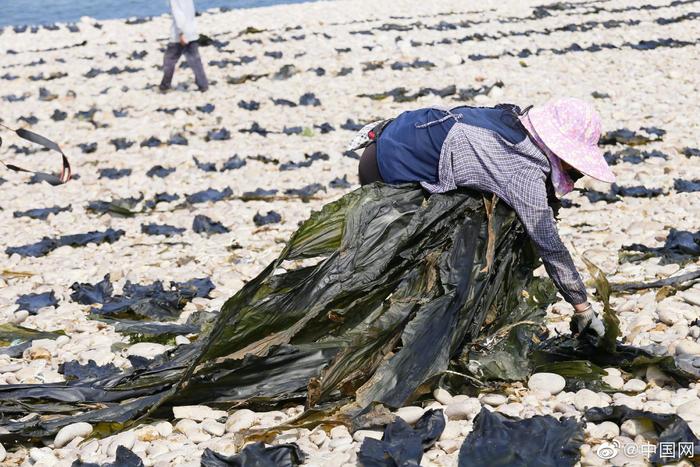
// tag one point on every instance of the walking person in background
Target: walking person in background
(183, 39)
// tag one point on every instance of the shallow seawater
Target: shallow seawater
(17, 12)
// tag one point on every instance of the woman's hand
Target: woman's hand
(584, 317)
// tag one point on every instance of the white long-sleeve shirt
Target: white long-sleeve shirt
(183, 21)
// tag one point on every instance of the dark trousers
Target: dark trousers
(173, 53)
(368, 167)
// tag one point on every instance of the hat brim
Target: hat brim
(586, 159)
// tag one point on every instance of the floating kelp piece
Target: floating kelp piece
(255, 128)
(595, 196)
(319, 71)
(500, 441)
(628, 137)
(120, 206)
(309, 99)
(92, 73)
(33, 302)
(170, 111)
(151, 331)
(249, 105)
(395, 27)
(152, 301)
(244, 78)
(343, 50)
(652, 130)
(151, 142)
(75, 371)
(160, 171)
(305, 192)
(295, 130)
(425, 64)
(160, 198)
(14, 98)
(351, 155)
(178, 140)
(161, 229)
(47, 245)
(30, 120)
(678, 242)
(340, 183)
(137, 55)
(204, 166)
(469, 94)
(233, 163)
(264, 159)
(9, 77)
(114, 174)
(220, 134)
(286, 72)
(271, 217)
(401, 444)
(260, 194)
(691, 152)
(89, 294)
(204, 224)
(46, 96)
(600, 95)
(308, 160)
(88, 148)
(346, 70)
(192, 288)
(41, 213)
(258, 455)
(653, 44)
(207, 108)
(121, 144)
(397, 93)
(686, 186)
(325, 127)
(351, 125)
(58, 115)
(670, 430)
(638, 191)
(209, 194)
(273, 54)
(283, 102)
(127, 69)
(16, 339)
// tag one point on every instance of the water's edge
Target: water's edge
(43, 12)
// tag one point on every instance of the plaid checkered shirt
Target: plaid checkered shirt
(481, 159)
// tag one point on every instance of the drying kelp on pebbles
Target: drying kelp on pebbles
(388, 263)
(380, 286)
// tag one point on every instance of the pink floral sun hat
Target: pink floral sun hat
(570, 129)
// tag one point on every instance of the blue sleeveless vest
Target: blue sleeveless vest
(408, 149)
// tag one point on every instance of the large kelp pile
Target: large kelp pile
(376, 297)
(400, 284)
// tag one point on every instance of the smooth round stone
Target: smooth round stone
(185, 425)
(360, 435)
(146, 349)
(550, 382)
(198, 412)
(126, 439)
(615, 382)
(182, 340)
(147, 433)
(585, 399)
(613, 372)
(690, 410)
(658, 377)
(494, 400)
(442, 396)
(340, 432)
(69, 432)
(164, 428)
(449, 445)
(635, 385)
(687, 347)
(3, 453)
(213, 427)
(604, 430)
(463, 410)
(637, 426)
(240, 420)
(409, 414)
(318, 436)
(453, 429)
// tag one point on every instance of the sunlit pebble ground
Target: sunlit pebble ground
(647, 88)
